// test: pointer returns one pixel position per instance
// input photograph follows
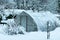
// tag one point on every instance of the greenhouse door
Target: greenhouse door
(28, 23)
(23, 21)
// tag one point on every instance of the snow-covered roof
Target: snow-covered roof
(41, 18)
(11, 11)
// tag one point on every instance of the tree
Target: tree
(17, 3)
(3, 2)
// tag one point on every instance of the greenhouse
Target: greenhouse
(35, 21)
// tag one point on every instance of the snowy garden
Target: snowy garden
(29, 20)
(10, 29)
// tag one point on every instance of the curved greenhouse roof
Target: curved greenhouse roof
(41, 18)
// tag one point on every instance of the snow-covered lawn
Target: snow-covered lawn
(54, 35)
(28, 36)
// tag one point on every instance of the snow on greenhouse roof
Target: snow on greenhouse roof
(13, 11)
(41, 18)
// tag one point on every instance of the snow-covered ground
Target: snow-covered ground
(54, 35)
(28, 36)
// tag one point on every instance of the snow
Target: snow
(46, 16)
(28, 36)
(11, 27)
(56, 15)
(37, 17)
(3, 29)
(54, 35)
(41, 18)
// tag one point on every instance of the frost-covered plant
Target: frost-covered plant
(16, 30)
(11, 28)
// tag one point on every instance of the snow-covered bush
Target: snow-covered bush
(12, 28)
(16, 30)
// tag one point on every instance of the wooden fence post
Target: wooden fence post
(48, 30)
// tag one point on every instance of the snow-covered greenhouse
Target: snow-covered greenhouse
(34, 21)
